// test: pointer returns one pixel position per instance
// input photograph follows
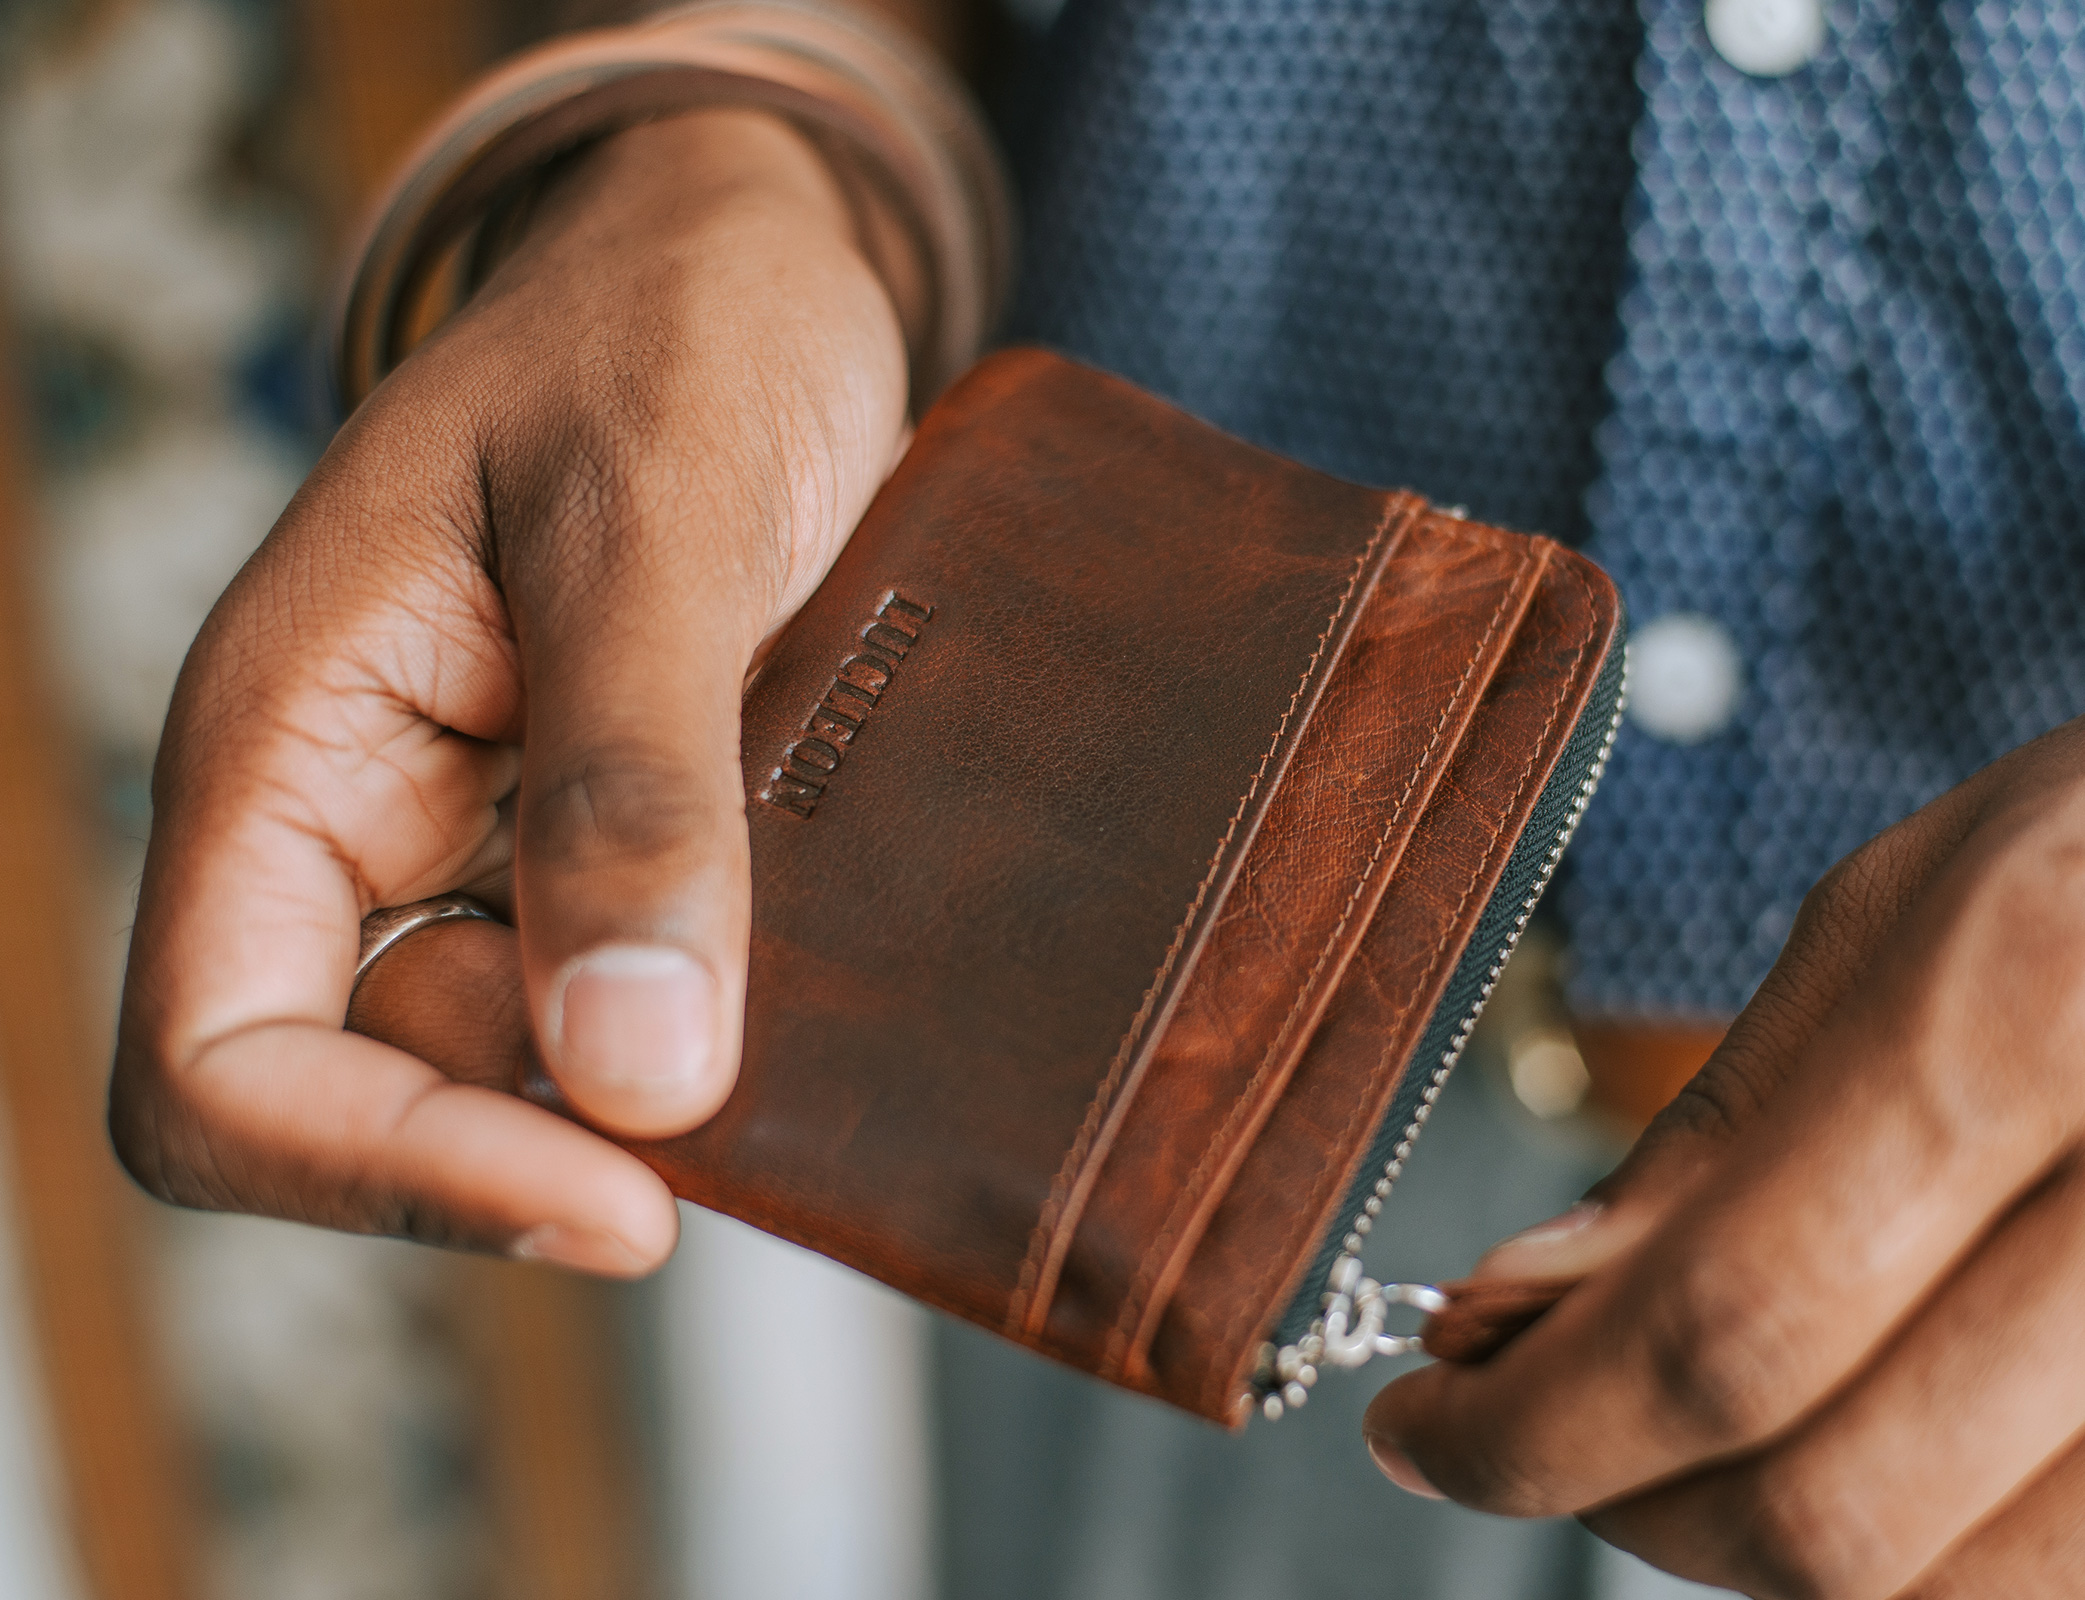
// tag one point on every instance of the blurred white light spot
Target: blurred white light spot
(1684, 678)
(1548, 1074)
(1767, 38)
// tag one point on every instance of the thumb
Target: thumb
(631, 874)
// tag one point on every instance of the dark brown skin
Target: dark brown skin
(545, 552)
(1824, 1340)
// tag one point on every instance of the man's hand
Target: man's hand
(506, 625)
(1826, 1342)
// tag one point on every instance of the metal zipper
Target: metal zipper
(1350, 1333)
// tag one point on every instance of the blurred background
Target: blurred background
(196, 1406)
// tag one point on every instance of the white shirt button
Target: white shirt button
(1767, 38)
(1684, 678)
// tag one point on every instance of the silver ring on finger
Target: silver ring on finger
(383, 929)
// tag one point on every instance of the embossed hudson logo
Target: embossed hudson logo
(799, 783)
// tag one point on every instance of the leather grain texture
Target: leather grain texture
(1117, 808)
(1485, 1315)
(1288, 1191)
(1337, 835)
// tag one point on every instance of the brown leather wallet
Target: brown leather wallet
(1138, 821)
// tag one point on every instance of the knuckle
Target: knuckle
(616, 802)
(133, 1125)
(1803, 1537)
(1863, 892)
(1722, 1363)
(1723, 1097)
(1499, 1481)
(1839, 899)
(161, 1143)
(2019, 939)
(405, 1217)
(406, 460)
(2033, 897)
(382, 1208)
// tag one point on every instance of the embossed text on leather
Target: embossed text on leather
(809, 764)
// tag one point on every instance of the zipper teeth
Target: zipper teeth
(1282, 1392)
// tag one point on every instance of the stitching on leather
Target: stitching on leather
(1043, 1237)
(1152, 1262)
(1247, 1304)
(1346, 1133)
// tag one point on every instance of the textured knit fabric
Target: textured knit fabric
(1803, 356)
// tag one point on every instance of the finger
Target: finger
(1850, 916)
(1916, 1114)
(1521, 1278)
(1970, 1401)
(632, 882)
(1845, 921)
(451, 995)
(344, 1132)
(643, 580)
(338, 739)
(2033, 1548)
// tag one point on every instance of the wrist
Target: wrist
(907, 152)
(689, 298)
(669, 186)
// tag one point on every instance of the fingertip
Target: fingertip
(1387, 1451)
(636, 1038)
(642, 1213)
(579, 1249)
(1395, 1465)
(1569, 1245)
(630, 1233)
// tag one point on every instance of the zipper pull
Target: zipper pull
(1360, 1306)
(1350, 1334)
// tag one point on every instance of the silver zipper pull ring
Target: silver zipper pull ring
(1349, 1334)
(1423, 1298)
(1357, 1309)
